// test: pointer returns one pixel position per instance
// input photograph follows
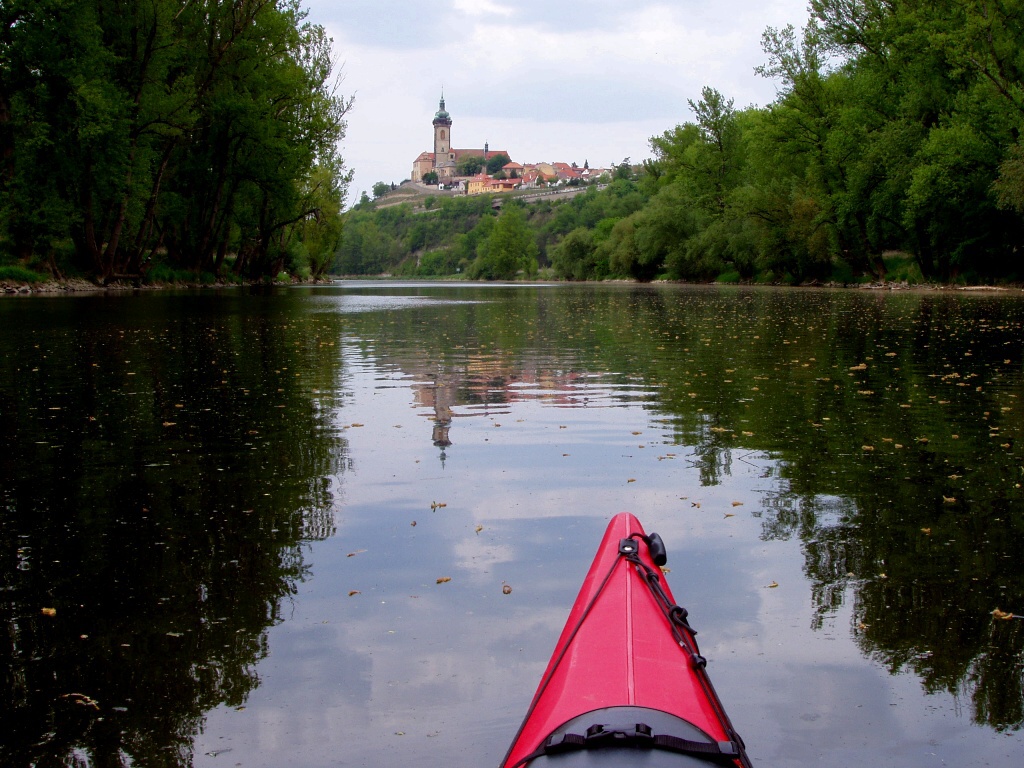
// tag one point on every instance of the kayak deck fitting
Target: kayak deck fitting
(626, 684)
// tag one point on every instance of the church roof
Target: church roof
(442, 113)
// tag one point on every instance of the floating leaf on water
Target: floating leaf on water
(729, 514)
(861, 367)
(867, 447)
(437, 505)
(506, 589)
(773, 585)
(353, 554)
(926, 531)
(631, 480)
(949, 499)
(413, 523)
(169, 423)
(81, 699)
(737, 503)
(998, 614)
(356, 424)
(49, 611)
(636, 433)
(695, 504)
(354, 592)
(478, 528)
(444, 579)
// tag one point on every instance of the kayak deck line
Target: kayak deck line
(626, 684)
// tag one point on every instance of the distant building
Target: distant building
(444, 159)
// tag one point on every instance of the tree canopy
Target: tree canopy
(196, 135)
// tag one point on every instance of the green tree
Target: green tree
(380, 189)
(496, 162)
(470, 165)
(508, 250)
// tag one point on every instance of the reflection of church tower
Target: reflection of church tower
(444, 396)
(444, 155)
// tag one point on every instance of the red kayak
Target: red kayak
(626, 685)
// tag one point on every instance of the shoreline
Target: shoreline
(81, 286)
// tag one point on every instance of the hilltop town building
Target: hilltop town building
(444, 159)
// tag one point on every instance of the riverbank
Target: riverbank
(80, 285)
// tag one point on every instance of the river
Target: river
(343, 525)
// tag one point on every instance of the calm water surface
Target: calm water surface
(225, 517)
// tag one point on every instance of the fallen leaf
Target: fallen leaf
(413, 523)
(949, 499)
(49, 611)
(867, 447)
(926, 531)
(354, 592)
(773, 585)
(479, 528)
(997, 614)
(729, 514)
(169, 423)
(737, 503)
(506, 589)
(444, 579)
(81, 699)
(353, 554)
(631, 480)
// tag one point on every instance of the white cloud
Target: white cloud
(544, 79)
(481, 8)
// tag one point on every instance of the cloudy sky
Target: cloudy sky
(546, 80)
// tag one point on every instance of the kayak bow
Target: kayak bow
(626, 684)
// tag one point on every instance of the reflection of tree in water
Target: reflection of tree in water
(824, 386)
(923, 584)
(159, 508)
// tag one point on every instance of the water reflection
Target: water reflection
(174, 461)
(157, 485)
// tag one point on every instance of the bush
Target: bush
(902, 267)
(19, 274)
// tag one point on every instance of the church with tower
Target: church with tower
(445, 158)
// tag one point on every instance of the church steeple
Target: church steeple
(444, 156)
(442, 114)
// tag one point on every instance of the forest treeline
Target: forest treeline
(896, 130)
(141, 138)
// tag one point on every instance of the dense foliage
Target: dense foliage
(454, 235)
(897, 128)
(164, 135)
